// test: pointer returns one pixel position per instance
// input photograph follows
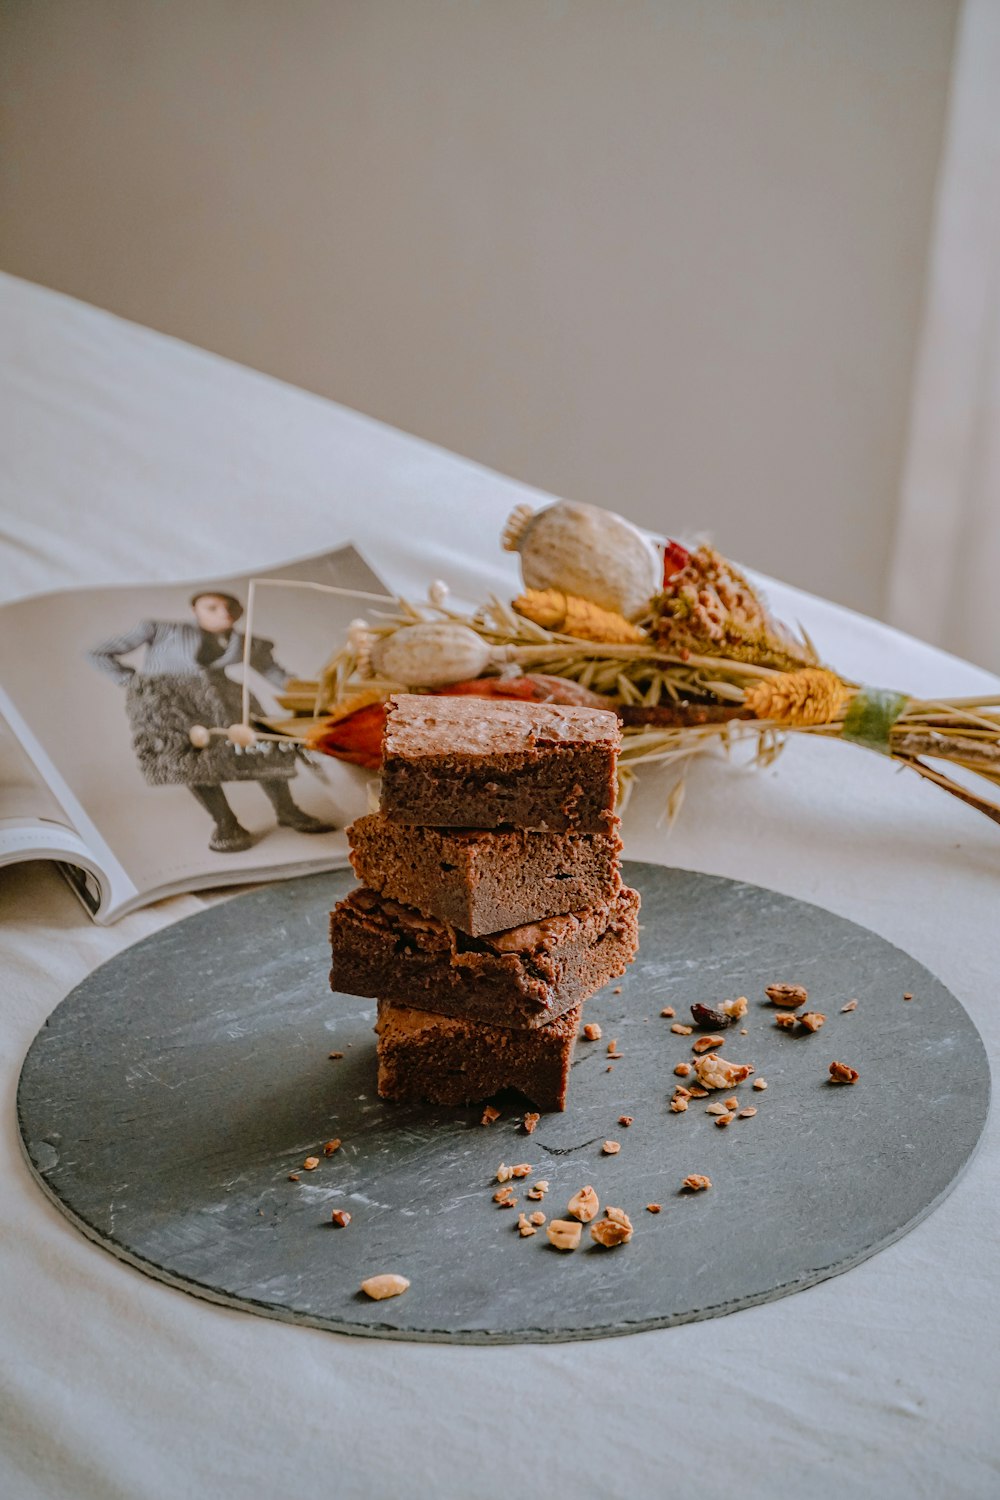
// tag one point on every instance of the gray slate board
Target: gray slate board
(166, 1100)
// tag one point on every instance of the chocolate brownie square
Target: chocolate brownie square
(474, 763)
(485, 881)
(520, 978)
(435, 1059)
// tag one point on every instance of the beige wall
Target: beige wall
(665, 255)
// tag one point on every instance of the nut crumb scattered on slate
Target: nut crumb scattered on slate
(786, 1021)
(584, 1205)
(907, 996)
(681, 1030)
(564, 1234)
(611, 1148)
(625, 1119)
(668, 1011)
(617, 990)
(524, 1226)
(748, 1113)
(760, 1084)
(389, 1285)
(311, 1163)
(293, 1176)
(851, 1005)
(841, 1073)
(340, 1218)
(489, 1115)
(592, 1032)
(336, 1056)
(521, 1170)
(696, 1183)
(331, 1147)
(653, 1208)
(723, 1120)
(812, 1020)
(537, 1217)
(678, 1106)
(683, 1070)
(792, 995)
(614, 1229)
(708, 1044)
(529, 1122)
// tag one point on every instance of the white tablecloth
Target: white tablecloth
(128, 456)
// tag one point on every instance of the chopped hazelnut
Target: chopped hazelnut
(792, 995)
(653, 1208)
(760, 1084)
(504, 1173)
(564, 1234)
(592, 1032)
(716, 1109)
(718, 1073)
(617, 990)
(737, 1008)
(336, 1056)
(331, 1147)
(524, 1228)
(529, 1122)
(293, 1176)
(625, 1120)
(723, 1120)
(504, 1195)
(521, 1170)
(541, 1183)
(537, 1218)
(841, 1073)
(584, 1205)
(851, 1005)
(311, 1163)
(613, 1049)
(786, 1021)
(668, 1011)
(340, 1218)
(747, 1113)
(696, 1183)
(907, 996)
(681, 1030)
(695, 1092)
(812, 1020)
(611, 1148)
(489, 1115)
(708, 1043)
(683, 1070)
(678, 1105)
(732, 1103)
(379, 1287)
(614, 1229)
(534, 1194)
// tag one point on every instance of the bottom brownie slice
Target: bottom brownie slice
(443, 1060)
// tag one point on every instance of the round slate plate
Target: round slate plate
(167, 1099)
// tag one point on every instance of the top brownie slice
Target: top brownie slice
(478, 763)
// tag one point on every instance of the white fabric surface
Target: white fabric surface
(127, 456)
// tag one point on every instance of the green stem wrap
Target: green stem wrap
(870, 716)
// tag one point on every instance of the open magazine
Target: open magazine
(99, 690)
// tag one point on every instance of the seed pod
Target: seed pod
(431, 655)
(585, 551)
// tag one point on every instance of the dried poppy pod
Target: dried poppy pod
(433, 655)
(585, 551)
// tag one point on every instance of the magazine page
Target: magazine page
(33, 825)
(102, 687)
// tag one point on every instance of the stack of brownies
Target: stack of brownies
(492, 905)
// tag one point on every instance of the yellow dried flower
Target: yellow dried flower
(570, 615)
(811, 696)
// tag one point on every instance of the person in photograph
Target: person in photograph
(182, 682)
